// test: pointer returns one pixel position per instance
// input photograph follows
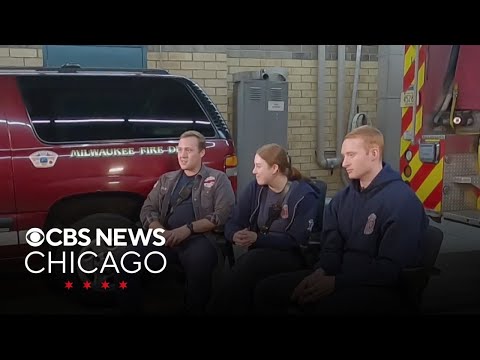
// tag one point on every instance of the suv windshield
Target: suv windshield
(94, 108)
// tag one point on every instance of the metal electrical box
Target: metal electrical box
(260, 116)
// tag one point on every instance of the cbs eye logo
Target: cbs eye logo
(35, 237)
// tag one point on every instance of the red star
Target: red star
(123, 285)
(105, 285)
(68, 285)
(87, 285)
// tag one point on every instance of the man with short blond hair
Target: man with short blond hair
(371, 136)
(373, 229)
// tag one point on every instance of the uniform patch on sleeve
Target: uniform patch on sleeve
(310, 225)
(370, 224)
(209, 182)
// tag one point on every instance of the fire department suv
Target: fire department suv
(76, 145)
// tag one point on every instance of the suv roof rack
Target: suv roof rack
(66, 68)
(73, 68)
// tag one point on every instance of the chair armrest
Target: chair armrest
(310, 251)
(413, 274)
(219, 229)
(314, 242)
(419, 269)
(225, 246)
(413, 270)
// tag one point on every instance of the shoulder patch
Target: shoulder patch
(310, 225)
(209, 182)
(370, 224)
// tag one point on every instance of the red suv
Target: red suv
(77, 142)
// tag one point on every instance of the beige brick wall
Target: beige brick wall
(21, 57)
(208, 70)
(302, 117)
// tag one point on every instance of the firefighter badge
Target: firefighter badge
(209, 182)
(370, 224)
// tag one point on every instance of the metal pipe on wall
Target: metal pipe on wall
(355, 85)
(321, 106)
(322, 160)
(341, 126)
(353, 104)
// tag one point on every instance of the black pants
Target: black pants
(235, 295)
(272, 297)
(196, 255)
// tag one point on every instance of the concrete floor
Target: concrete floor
(457, 288)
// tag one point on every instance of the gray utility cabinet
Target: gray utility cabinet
(260, 116)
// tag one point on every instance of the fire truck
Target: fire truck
(440, 127)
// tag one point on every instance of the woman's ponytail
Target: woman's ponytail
(294, 174)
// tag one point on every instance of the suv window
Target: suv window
(91, 108)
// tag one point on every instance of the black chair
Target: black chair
(226, 247)
(311, 250)
(415, 280)
(321, 189)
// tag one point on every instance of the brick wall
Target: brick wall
(198, 63)
(21, 55)
(213, 66)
